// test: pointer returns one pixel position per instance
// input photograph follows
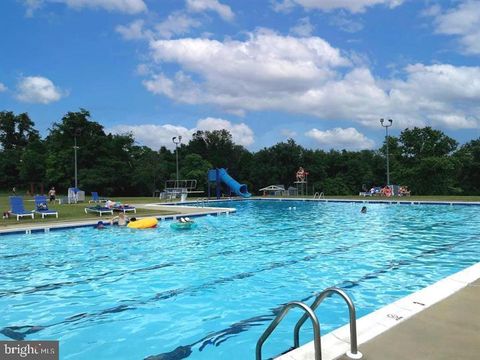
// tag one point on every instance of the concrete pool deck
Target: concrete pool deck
(449, 330)
(441, 321)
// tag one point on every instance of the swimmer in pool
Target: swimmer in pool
(120, 220)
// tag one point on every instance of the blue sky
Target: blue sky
(320, 71)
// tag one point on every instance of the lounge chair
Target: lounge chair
(17, 208)
(42, 208)
(125, 208)
(96, 198)
(99, 210)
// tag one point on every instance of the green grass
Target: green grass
(71, 212)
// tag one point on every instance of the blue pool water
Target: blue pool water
(210, 292)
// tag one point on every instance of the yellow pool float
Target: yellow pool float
(146, 223)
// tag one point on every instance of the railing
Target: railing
(202, 201)
(318, 195)
(308, 314)
(353, 353)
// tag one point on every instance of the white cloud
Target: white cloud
(133, 31)
(156, 136)
(176, 23)
(309, 76)
(345, 23)
(354, 6)
(438, 94)
(303, 28)
(241, 133)
(224, 11)
(462, 21)
(3, 87)
(124, 6)
(38, 89)
(338, 138)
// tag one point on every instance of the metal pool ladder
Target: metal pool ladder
(309, 312)
(318, 195)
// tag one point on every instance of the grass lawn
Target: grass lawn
(71, 212)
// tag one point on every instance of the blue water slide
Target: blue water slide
(234, 185)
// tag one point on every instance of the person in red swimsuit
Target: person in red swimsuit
(300, 174)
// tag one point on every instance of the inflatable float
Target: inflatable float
(146, 223)
(183, 225)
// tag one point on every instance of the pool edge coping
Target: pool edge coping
(395, 201)
(337, 342)
(44, 228)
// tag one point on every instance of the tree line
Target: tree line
(426, 160)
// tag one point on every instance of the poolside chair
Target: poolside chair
(99, 210)
(42, 208)
(96, 198)
(125, 208)
(17, 208)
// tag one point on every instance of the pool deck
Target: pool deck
(441, 321)
(449, 330)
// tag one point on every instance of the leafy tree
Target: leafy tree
(16, 132)
(103, 160)
(194, 167)
(426, 164)
(468, 158)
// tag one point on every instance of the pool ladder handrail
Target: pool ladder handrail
(318, 195)
(353, 353)
(308, 314)
(202, 201)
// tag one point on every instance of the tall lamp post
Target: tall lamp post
(75, 148)
(177, 142)
(386, 126)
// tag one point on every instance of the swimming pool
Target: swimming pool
(210, 292)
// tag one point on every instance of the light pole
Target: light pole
(75, 147)
(177, 142)
(386, 126)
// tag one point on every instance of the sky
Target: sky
(322, 72)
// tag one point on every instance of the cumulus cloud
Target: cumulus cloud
(224, 11)
(3, 87)
(176, 23)
(241, 133)
(307, 75)
(354, 6)
(338, 138)
(303, 28)
(462, 21)
(156, 136)
(38, 89)
(124, 6)
(234, 73)
(133, 31)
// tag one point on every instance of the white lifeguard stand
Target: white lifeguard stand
(302, 184)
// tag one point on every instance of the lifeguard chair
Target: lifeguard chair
(302, 182)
